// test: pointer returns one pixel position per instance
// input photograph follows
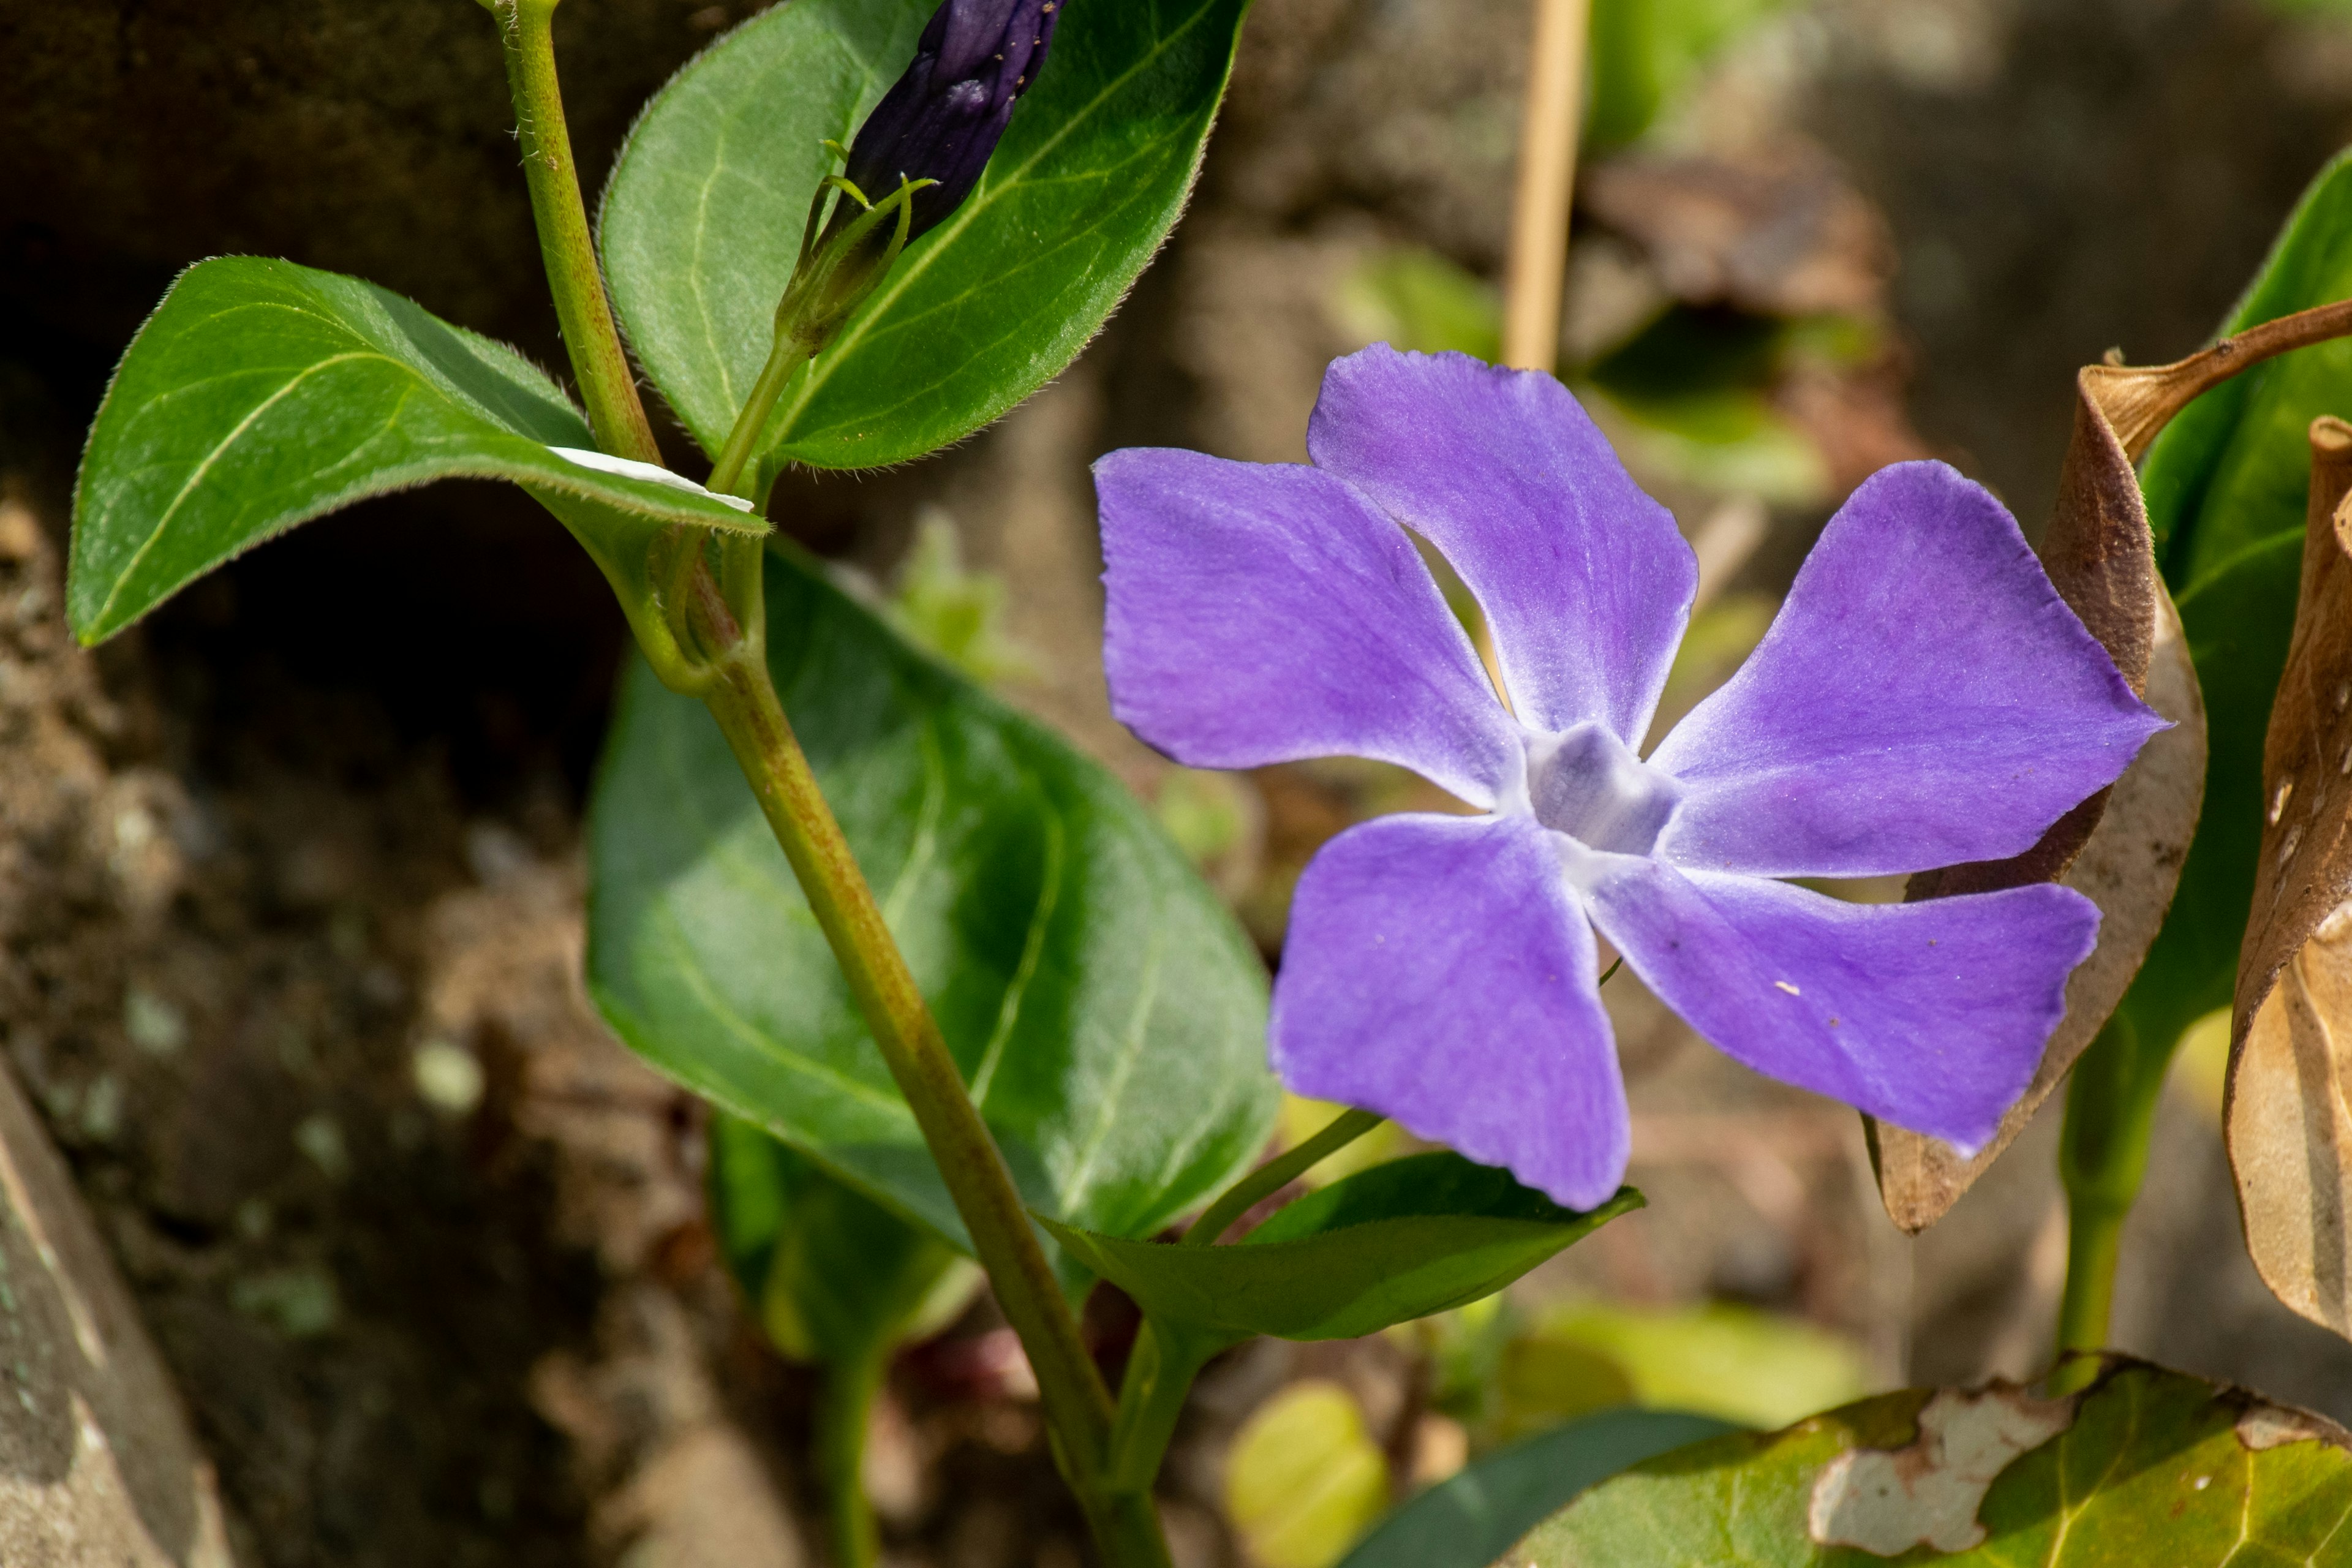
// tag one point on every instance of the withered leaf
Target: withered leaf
(2099, 555)
(2288, 1126)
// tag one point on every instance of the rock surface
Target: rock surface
(97, 1465)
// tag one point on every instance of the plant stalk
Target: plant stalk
(786, 357)
(743, 697)
(599, 363)
(1537, 275)
(1159, 1373)
(1279, 1172)
(845, 1413)
(2111, 1104)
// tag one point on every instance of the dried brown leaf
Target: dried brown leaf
(2289, 1129)
(2124, 846)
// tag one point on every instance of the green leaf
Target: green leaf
(1645, 52)
(1470, 1519)
(703, 220)
(1754, 1367)
(2227, 485)
(1415, 299)
(1107, 1012)
(2232, 468)
(835, 1276)
(2147, 1466)
(1304, 1479)
(261, 394)
(1394, 1242)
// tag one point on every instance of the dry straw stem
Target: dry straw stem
(1537, 275)
(2288, 1128)
(2124, 847)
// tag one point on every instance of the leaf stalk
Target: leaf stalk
(1279, 1172)
(2111, 1104)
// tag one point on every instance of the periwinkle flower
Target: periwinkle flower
(1923, 698)
(942, 119)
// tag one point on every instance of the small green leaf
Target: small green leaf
(703, 220)
(1418, 301)
(835, 1276)
(2147, 1466)
(1106, 1010)
(2226, 486)
(1393, 1243)
(261, 394)
(1468, 1520)
(1304, 1479)
(1757, 1368)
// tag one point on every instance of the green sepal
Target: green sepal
(1397, 1242)
(261, 394)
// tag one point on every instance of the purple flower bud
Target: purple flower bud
(942, 119)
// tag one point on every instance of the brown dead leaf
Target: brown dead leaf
(2123, 848)
(2289, 1130)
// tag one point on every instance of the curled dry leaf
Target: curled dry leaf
(2290, 1133)
(2124, 847)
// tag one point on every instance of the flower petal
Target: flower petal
(1931, 1015)
(1438, 972)
(1924, 698)
(1584, 579)
(1264, 613)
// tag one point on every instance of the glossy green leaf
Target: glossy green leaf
(2226, 486)
(261, 394)
(835, 1276)
(704, 216)
(2147, 1466)
(1468, 1519)
(1396, 1242)
(1107, 1012)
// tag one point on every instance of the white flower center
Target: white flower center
(1585, 783)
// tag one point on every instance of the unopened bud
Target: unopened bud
(942, 119)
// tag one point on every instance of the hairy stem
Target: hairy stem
(1536, 277)
(2111, 1102)
(1278, 1173)
(786, 357)
(743, 697)
(598, 362)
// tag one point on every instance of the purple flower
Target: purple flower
(1924, 698)
(944, 116)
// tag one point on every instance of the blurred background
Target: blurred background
(289, 880)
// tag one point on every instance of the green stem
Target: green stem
(786, 357)
(845, 1413)
(1278, 1173)
(599, 363)
(1125, 1527)
(1159, 1373)
(2111, 1104)
(743, 697)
